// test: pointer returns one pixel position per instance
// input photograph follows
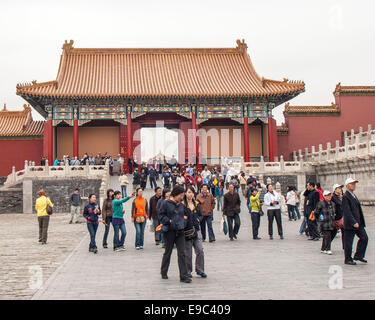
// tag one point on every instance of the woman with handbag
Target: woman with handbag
(193, 238)
(139, 216)
(43, 207)
(255, 208)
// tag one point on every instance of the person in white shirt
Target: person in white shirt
(272, 201)
(291, 203)
(121, 162)
(206, 173)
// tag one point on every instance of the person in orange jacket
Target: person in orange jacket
(139, 217)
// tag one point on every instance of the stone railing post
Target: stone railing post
(320, 152)
(13, 179)
(306, 154)
(299, 154)
(337, 149)
(67, 169)
(278, 187)
(26, 167)
(328, 150)
(261, 164)
(282, 163)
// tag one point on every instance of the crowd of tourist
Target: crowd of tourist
(181, 212)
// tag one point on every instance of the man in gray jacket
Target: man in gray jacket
(75, 206)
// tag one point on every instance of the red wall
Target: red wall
(308, 131)
(15, 152)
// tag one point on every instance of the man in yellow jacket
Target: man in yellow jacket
(43, 217)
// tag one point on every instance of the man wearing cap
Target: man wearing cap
(325, 213)
(354, 224)
(339, 220)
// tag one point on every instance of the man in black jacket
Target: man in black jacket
(154, 213)
(232, 209)
(153, 177)
(337, 200)
(311, 203)
(172, 217)
(354, 224)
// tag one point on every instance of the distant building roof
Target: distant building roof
(333, 109)
(354, 90)
(19, 123)
(152, 72)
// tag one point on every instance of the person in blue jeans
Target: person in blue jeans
(91, 213)
(219, 194)
(118, 221)
(140, 214)
(207, 204)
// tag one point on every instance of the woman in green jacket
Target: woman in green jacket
(118, 221)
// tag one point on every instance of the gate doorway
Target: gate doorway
(159, 142)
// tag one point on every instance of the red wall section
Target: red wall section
(15, 152)
(307, 131)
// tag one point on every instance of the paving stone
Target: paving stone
(292, 268)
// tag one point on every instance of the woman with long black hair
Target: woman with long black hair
(193, 238)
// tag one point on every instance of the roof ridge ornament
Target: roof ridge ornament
(337, 89)
(68, 46)
(5, 107)
(241, 45)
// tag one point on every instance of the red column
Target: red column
(48, 141)
(270, 140)
(129, 134)
(75, 139)
(246, 138)
(123, 151)
(194, 139)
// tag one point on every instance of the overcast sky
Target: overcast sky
(319, 42)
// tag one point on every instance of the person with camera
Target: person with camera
(140, 214)
(193, 237)
(91, 213)
(272, 201)
(255, 209)
(172, 218)
(118, 221)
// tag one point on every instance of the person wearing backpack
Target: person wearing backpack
(140, 214)
(41, 205)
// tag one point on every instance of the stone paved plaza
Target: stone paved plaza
(292, 268)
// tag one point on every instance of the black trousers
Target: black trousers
(361, 245)
(255, 220)
(274, 213)
(313, 228)
(334, 233)
(108, 221)
(328, 236)
(171, 238)
(43, 228)
(237, 223)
